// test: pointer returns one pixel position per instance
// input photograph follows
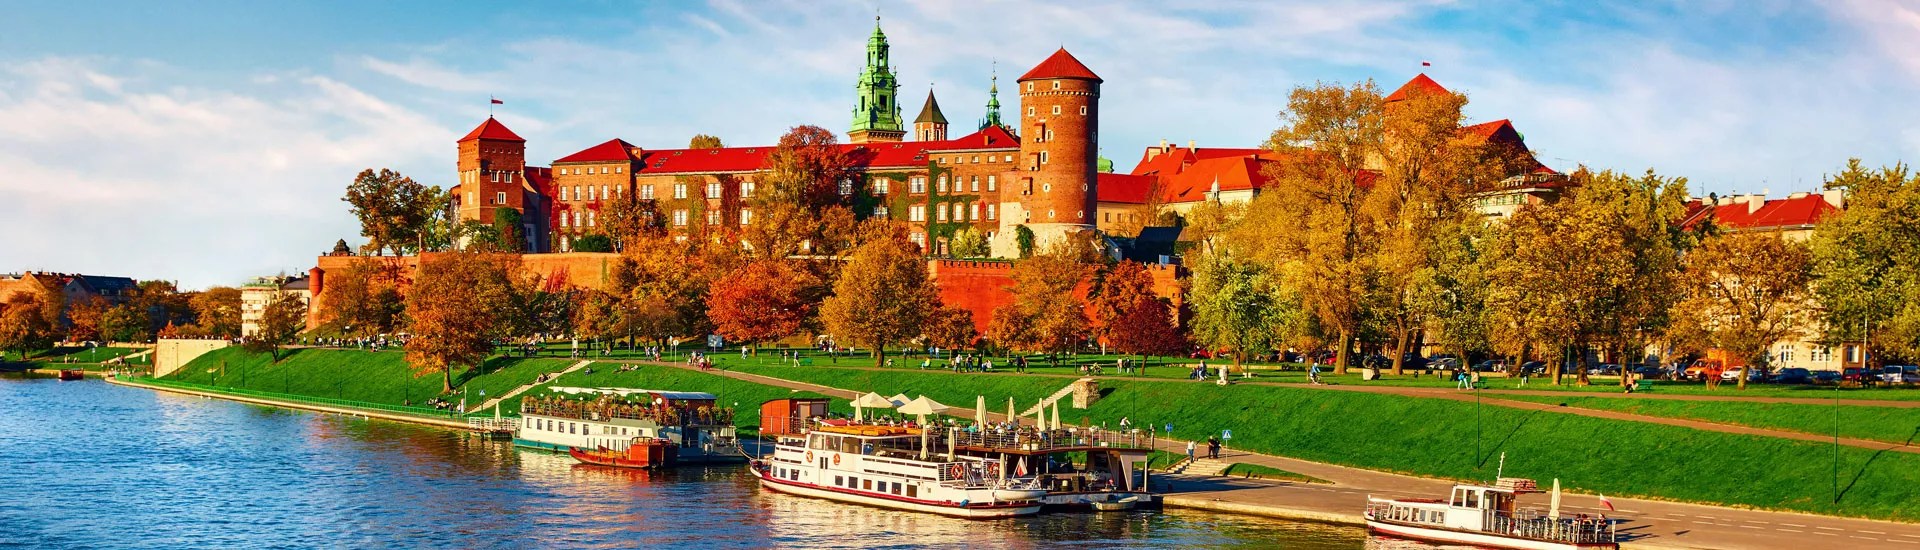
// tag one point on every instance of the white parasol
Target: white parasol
(899, 399)
(980, 410)
(1056, 415)
(1011, 415)
(1553, 510)
(870, 401)
(921, 407)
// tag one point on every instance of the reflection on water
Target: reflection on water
(87, 464)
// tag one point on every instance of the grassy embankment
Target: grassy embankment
(374, 377)
(1888, 424)
(1453, 439)
(78, 357)
(1265, 472)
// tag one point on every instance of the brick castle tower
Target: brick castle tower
(492, 162)
(930, 125)
(1052, 186)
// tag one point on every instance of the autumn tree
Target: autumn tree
(1233, 307)
(1866, 274)
(23, 328)
(393, 209)
(217, 311)
(1747, 291)
(803, 179)
(882, 297)
(280, 323)
(951, 327)
(1314, 209)
(84, 318)
(125, 323)
(630, 220)
(452, 310)
(1048, 312)
(667, 281)
(1150, 213)
(762, 301)
(1131, 316)
(703, 141)
(362, 300)
(1117, 288)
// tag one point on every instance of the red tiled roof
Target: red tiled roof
(538, 179)
(1420, 83)
(1172, 162)
(1232, 173)
(491, 129)
(1778, 213)
(863, 155)
(1123, 188)
(612, 151)
(1060, 65)
(1487, 130)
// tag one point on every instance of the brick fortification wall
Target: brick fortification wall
(976, 285)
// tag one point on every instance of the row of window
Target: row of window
(680, 217)
(957, 159)
(961, 212)
(606, 192)
(918, 184)
(576, 219)
(555, 426)
(1056, 110)
(473, 176)
(593, 170)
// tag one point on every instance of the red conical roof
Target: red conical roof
(1421, 83)
(1060, 65)
(491, 129)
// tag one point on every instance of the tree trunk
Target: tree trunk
(1400, 354)
(1340, 357)
(446, 385)
(880, 355)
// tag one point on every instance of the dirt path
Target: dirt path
(523, 388)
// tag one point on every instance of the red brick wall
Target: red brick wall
(977, 286)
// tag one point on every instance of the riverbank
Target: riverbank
(305, 404)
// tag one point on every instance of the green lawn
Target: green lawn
(80, 354)
(1267, 472)
(1889, 424)
(1437, 437)
(375, 377)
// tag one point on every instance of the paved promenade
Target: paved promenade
(1644, 523)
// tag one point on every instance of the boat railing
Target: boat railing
(596, 411)
(1031, 439)
(1579, 530)
(491, 424)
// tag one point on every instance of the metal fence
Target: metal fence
(427, 412)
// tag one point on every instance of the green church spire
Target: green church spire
(879, 108)
(993, 105)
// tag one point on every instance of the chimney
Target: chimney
(1163, 146)
(1835, 197)
(1754, 202)
(1190, 145)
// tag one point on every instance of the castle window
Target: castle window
(991, 185)
(590, 216)
(1083, 110)
(919, 239)
(880, 211)
(943, 183)
(1050, 132)
(500, 198)
(495, 176)
(1049, 214)
(713, 217)
(746, 189)
(916, 213)
(846, 186)
(589, 193)
(880, 185)
(976, 159)
(623, 169)
(509, 177)
(989, 211)
(576, 219)
(1029, 109)
(680, 192)
(1079, 215)
(976, 183)
(680, 217)
(973, 211)
(1046, 188)
(563, 193)
(1029, 86)
(713, 190)
(940, 214)
(746, 217)
(1056, 108)
(1056, 84)
(470, 198)
(1043, 157)
(590, 171)
(917, 184)
(604, 195)
(646, 192)
(563, 220)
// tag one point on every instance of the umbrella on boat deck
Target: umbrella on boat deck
(870, 400)
(1553, 511)
(1040, 414)
(1056, 415)
(1011, 415)
(921, 407)
(899, 399)
(980, 410)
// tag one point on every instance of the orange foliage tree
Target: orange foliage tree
(452, 311)
(762, 301)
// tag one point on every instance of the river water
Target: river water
(92, 465)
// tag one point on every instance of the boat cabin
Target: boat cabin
(789, 416)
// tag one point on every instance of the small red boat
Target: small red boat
(645, 452)
(72, 374)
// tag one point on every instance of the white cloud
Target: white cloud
(110, 173)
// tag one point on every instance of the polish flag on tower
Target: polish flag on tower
(496, 101)
(1605, 502)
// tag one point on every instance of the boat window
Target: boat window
(1457, 499)
(839, 481)
(793, 475)
(913, 491)
(896, 488)
(853, 483)
(866, 484)
(1473, 499)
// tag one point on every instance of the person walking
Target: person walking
(1189, 451)
(1213, 447)
(1524, 374)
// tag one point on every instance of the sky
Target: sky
(207, 142)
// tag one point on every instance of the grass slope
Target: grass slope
(375, 377)
(1267, 472)
(748, 395)
(1889, 424)
(1437, 437)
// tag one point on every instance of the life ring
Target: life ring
(809, 456)
(836, 460)
(956, 471)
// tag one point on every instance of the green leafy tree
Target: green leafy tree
(125, 323)
(1866, 274)
(394, 211)
(363, 300)
(1234, 307)
(593, 243)
(1023, 240)
(217, 311)
(508, 235)
(1747, 291)
(882, 297)
(968, 243)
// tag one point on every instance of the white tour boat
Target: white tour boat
(612, 419)
(1485, 516)
(886, 466)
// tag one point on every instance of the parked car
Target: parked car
(1413, 361)
(1826, 376)
(1900, 374)
(1753, 374)
(1857, 375)
(1491, 365)
(1443, 363)
(1534, 367)
(1604, 368)
(1792, 376)
(1652, 372)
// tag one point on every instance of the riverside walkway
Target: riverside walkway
(1644, 523)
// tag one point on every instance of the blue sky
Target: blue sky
(207, 142)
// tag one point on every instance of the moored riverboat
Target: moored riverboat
(613, 420)
(1487, 516)
(72, 374)
(643, 453)
(883, 465)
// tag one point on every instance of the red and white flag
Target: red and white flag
(1605, 502)
(497, 102)
(1020, 468)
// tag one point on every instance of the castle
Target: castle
(991, 180)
